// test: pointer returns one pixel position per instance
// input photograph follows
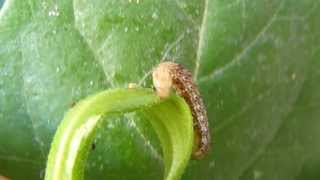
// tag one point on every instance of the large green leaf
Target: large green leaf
(256, 62)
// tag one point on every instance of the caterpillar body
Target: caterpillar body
(168, 75)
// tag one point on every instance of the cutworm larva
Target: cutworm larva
(169, 75)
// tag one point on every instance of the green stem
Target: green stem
(170, 118)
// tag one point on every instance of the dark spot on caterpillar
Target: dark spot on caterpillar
(169, 75)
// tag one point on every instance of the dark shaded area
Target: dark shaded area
(310, 170)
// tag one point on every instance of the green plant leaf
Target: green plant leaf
(256, 63)
(171, 119)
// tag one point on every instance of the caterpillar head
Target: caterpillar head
(162, 80)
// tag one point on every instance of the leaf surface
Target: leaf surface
(256, 63)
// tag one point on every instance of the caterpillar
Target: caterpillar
(169, 75)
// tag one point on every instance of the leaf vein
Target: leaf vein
(201, 42)
(244, 109)
(263, 148)
(165, 56)
(239, 56)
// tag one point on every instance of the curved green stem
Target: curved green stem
(170, 118)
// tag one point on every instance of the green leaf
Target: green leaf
(256, 63)
(171, 119)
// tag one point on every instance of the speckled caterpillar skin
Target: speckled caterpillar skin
(169, 75)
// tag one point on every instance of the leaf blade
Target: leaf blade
(74, 136)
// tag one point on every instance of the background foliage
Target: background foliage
(256, 63)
